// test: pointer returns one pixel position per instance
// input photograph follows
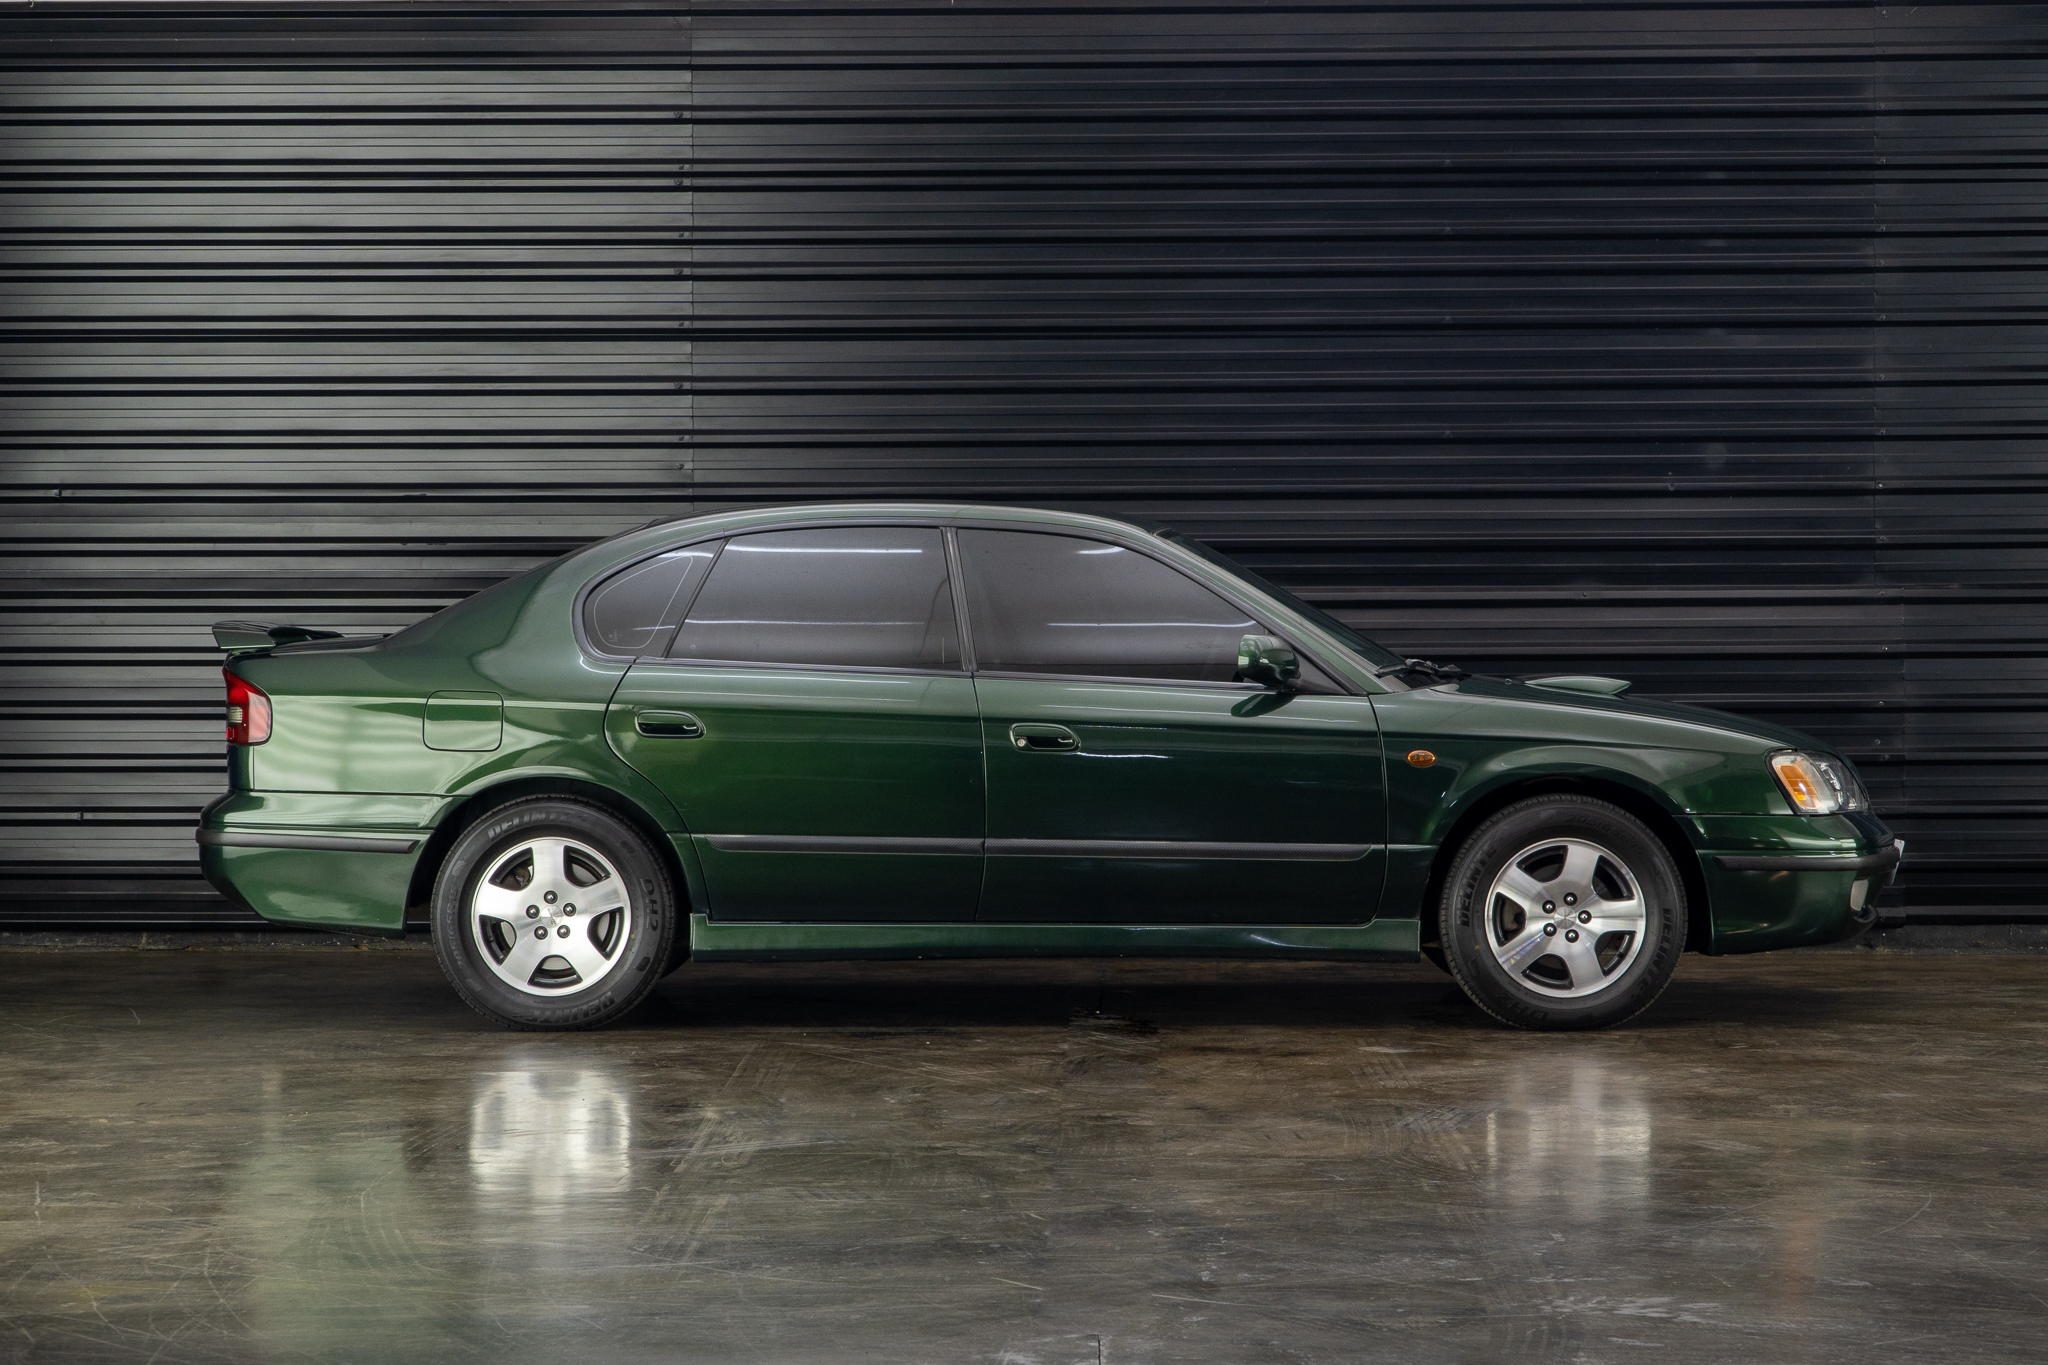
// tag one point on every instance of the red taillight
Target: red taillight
(248, 711)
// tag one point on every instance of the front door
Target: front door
(815, 727)
(1130, 780)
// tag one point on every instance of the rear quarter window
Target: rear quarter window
(635, 611)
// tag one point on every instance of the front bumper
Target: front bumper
(1878, 869)
(1764, 900)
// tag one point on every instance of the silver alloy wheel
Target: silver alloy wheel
(1565, 917)
(551, 915)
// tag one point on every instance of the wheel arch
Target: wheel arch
(1660, 819)
(481, 803)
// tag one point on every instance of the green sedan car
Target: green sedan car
(898, 731)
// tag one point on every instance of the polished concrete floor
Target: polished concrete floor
(323, 1156)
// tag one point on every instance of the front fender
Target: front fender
(1452, 752)
(1477, 783)
(1448, 749)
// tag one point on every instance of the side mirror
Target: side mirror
(1267, 661)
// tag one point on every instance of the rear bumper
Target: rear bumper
(326, 843)
(324, 860)
(1761, 901)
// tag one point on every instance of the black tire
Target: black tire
(645, 933)
(1480, 925)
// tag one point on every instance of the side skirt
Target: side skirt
(1386, 940)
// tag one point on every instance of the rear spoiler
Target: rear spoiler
(236, 636)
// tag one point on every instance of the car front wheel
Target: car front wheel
(1563, 912)
(552, 913)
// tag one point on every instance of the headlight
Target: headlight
(1818, 786)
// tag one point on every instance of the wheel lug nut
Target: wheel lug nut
(1549, 906)
(1585, 916)
(568, 909)
(532, 911)
(564, 932)
(1571, 936)
(1549, 930)
(549, 898)
(1570, 899)
(541, 932)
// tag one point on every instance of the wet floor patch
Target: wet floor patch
(287, 1155)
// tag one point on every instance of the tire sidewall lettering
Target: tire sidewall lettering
(1484, 854)
(611, 837)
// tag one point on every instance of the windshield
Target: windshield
(1379, 656)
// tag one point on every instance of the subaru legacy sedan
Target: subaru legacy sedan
(906, 731)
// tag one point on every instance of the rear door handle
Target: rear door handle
(668, 725)
(1033, 738)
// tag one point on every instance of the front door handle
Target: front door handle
(1035, 738)
(668, 725)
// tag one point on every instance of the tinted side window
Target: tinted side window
(633, 611)
(864, 596)
(1060, 604)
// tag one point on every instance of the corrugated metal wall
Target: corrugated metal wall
(1693, 343)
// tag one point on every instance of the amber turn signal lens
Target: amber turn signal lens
(1805, 786)
(1420, 758)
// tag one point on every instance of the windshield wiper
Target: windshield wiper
(1441, 672)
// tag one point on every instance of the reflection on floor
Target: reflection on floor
(549, 1139)
(258, 1156)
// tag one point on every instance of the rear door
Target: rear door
(815, 726)
(1130, 779)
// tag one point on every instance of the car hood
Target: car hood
(1509, 689)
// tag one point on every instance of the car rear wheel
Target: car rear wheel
(552, 913)
(1563, 912)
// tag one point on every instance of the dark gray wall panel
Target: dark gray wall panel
(1962, 410)
(1694, 343)
(327, 314)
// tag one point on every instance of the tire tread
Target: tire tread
(665, 906)
(1480, 992)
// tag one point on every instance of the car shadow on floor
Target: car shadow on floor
(355, 991)
(897, 997)
(912, 996)
(1767, 1002)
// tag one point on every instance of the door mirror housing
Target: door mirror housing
(1268, 661)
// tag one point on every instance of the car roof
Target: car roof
(948, 511)
(603, 556)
